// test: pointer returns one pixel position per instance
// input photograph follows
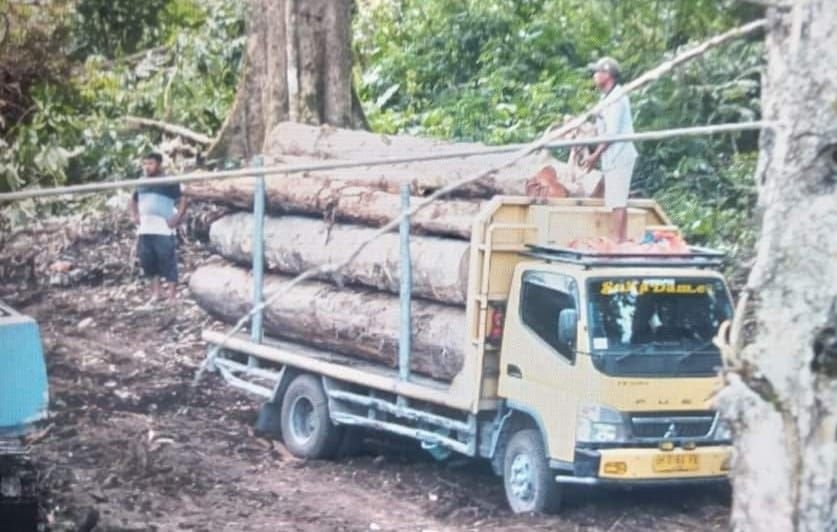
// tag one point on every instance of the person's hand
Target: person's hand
(135, 218)
(589, 162)
(172, 222)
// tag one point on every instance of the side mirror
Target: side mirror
(568, 326)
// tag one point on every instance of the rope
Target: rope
(662, 134)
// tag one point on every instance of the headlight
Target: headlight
(599, 424)
(723, 431)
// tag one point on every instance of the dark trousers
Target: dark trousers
(158, 256)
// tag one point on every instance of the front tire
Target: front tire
(307, 429)
(529, 482)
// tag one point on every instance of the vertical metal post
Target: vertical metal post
(406, 288)
(256, 326)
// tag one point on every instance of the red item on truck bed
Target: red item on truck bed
(659, 242)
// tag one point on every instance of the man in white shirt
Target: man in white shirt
(617, 158)
(157, 210)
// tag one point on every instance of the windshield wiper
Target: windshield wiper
(650, 347)
(642, 350)
(697, 350)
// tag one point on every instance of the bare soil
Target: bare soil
(131, 446)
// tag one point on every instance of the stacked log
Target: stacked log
(356, 322)
(340, 201)
(298, 144)
(293, 244)
(319, 219)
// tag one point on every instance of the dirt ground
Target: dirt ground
(129, 445)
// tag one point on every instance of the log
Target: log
(329, 143)
(336, 200)
(359, 323)
(294, 244)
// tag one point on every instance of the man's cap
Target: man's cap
(606, 64)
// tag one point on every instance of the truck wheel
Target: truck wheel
(529, 482)
(307, 429)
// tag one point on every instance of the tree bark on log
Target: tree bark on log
(297, 66)
(330, 143)
(781, 353)
(336, 200)
(357, 323)
(294, 244)
(327, 142)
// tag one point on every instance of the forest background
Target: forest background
(495, 71)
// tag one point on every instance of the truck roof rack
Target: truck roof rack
(698, 257)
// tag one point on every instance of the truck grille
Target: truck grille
(672, 426)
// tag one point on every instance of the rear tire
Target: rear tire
(307, 429)
(529, 482)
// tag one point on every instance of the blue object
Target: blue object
(24, 394)
(648, 238)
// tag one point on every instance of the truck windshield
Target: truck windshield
(648, 326)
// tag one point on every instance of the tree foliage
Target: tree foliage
(72, 128)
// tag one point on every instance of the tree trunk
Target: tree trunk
(335, 200)
(358, 323)
(291, 139)
(294, 244)
(297, 67)
(782, 352)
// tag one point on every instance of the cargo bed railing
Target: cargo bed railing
(239, 375)
(397, 416)
(697, 257)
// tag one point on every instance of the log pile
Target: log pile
(319, 218)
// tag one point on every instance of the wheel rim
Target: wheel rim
(521, 479)
(304, 423)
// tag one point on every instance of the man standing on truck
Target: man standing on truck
(617, 158)
(157, 210)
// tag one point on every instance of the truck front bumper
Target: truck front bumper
(649, 467)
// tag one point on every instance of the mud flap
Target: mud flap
(19, 508)
(269, 421)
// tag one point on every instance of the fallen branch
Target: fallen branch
(174, 129)
(137, 56)
(546, 138)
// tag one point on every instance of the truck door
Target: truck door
(537, 366)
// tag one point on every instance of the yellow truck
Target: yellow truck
(580, 367)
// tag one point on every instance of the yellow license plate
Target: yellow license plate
(668, 463)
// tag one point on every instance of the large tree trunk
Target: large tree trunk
(294, 244)
(782, 383)
(337, 200)
(358, 323)
(297, 67)
(290, 139)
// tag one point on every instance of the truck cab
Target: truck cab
(608, 357)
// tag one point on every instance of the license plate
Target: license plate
(668, 463)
